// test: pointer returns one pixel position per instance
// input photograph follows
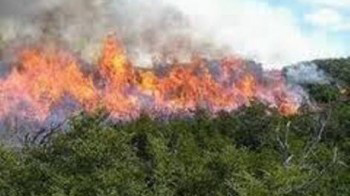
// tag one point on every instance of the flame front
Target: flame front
(45, 77)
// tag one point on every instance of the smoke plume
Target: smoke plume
(306, 73)
(152, 31)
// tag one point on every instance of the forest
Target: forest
(249, 152)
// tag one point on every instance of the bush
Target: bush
(253, 151)
(245, 153)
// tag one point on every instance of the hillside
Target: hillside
(253, 151)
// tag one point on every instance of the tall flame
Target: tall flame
(47, 76)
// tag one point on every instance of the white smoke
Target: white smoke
(259, 30)
(306, 73)
(164, 30)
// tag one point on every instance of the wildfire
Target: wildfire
(45, 77)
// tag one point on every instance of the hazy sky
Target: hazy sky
(275, 32)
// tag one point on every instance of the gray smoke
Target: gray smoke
(151, 30)
(306, 73)
(76, 23)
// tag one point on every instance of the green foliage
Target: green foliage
(338, 69)
(252, 152)
(246, 153)
(324, 93)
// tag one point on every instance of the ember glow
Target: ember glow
(44, 78)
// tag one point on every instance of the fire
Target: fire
(45, 77)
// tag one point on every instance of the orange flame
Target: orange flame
(45, 77)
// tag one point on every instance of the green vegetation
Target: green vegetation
(337, 68)
(251, 152)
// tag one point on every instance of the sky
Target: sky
(275, 32)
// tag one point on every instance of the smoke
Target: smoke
(306, 73)
(151, 31)
(158, 31)
(264, 31)
(79, 24)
